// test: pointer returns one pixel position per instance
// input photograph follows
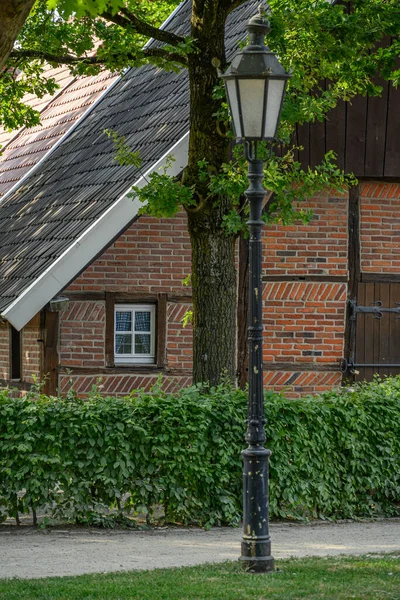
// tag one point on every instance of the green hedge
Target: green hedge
(334, 455)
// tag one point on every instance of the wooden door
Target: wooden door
(376, 318)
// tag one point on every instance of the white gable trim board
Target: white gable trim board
(89, 244)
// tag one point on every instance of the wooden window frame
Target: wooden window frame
(133, 357)
(160, 303)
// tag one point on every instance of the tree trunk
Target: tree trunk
(213, 251)
(13, 14)
(214, 297)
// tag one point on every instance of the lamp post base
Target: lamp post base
(256, 564)
(256, 541)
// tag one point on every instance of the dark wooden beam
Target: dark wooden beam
(354, 266)
(392, 146)
(135, 296)
(109, 331)
(377, 107)
(319, 278)
(124, 370)
(380, 277)
(50, 352)
(19, 385)
(299, 367)
(85, 296)
(162, 306)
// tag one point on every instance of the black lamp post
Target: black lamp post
(255, 84)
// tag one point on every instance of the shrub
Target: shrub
(334, 455)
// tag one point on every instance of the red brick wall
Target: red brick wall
(304, 321)
(318, 248)
(4, 351)
(380, 227)
(82, 330)
(304, 325)
(152, 256)
(296, 384)
(179, 338)
(120, 384)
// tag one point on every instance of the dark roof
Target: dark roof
(80, 179)
(23, 149)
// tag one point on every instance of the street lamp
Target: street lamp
(255, 84)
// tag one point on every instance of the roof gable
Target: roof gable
(76, 199)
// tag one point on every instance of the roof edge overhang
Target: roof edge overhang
(90, 243)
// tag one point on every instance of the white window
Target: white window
(134, 333)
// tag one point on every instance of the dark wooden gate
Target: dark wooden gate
(375, 331)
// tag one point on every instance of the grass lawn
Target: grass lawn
(339, 578)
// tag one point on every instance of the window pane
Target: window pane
(142, 321)
(123, 321)
(123, 343)
(142, 343)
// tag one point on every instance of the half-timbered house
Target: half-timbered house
(89, 289)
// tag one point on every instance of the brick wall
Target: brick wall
(119, 384)
(380, 227)
(304, 322)
(4, 351)
(82, 330)
(296, 384)
(304, 319)
(318, 248)
(304, 326)
(179, 338)
(151, 257)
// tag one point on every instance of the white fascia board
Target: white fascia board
(89, 244)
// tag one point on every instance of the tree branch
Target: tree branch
(70, 59)
(142, 27)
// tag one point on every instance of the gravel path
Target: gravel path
(28, 553)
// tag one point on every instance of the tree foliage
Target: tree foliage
(315, 39)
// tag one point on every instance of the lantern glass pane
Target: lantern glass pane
(252, 103)
(234, 106)
(275, 91)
